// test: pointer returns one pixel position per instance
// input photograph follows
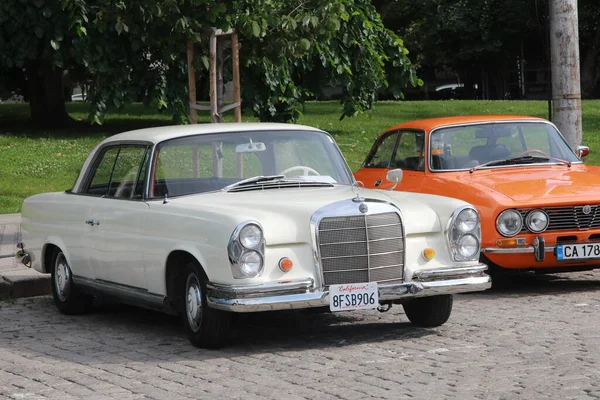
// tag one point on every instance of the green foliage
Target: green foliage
(136, 50)
(314, 45)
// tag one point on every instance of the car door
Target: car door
(117, 213)
(400, 149)
(410, 155)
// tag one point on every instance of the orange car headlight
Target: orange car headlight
(509, 222)
(537, 221)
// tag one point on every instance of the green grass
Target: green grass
(37, 160)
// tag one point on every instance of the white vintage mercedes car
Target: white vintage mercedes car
(207, 220)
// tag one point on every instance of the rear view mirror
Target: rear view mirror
(250, 147)
(582, 151)
(394, 176)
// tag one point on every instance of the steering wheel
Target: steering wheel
(532, 151)
(302, 168)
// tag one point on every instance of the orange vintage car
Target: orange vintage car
(539, 204)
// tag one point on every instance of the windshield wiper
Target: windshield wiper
(520, 160)
(254, 179)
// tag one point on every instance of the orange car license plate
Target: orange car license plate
(581, 251)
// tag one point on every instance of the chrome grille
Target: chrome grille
(568, 218)
(361, 248)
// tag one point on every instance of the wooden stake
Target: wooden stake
(214, 110)
(192, 82)
(235, 56)
(220, 85)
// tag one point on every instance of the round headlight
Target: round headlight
(537, 221)
(250, 236)
(251, 264)
(467, 246)
(467, 220)
(509, 222)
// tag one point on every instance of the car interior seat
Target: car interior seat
(487, 153)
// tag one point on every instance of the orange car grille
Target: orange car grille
(362, 248)
(579, 218)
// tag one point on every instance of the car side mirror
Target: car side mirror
(582, 151)
(394, 176)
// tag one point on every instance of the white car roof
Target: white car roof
(162, 133)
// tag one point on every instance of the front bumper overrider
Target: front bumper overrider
(296, 294)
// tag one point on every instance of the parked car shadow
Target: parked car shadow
(289, 330)
(114, 333)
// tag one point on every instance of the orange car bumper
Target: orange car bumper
(538, 256)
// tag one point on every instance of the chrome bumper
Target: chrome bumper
(538, 248)
(515, 250)
(289, 295)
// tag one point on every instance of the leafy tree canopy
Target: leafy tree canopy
(131, 50)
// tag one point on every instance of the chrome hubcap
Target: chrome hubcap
(193, 304)
(62, 277)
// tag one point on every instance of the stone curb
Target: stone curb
(16, 280)
(17, 285)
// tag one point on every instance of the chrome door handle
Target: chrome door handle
(92, 222)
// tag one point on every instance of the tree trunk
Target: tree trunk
(46, 95)
(589, 70)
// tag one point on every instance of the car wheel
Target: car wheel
(429, 311)
(67, 297)
(205, 327)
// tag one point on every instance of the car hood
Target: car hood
(554, 184)
(285, 214)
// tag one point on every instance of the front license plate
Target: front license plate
(583, 251)
(353, 296)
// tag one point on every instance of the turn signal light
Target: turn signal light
(285, 264)
(511, 242)
(428, 253)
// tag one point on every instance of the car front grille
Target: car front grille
(569, 217)
(361, 248)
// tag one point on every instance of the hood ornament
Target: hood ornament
(356, 188)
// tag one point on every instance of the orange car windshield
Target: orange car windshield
(495, 144)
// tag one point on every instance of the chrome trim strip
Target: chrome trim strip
(514, 250)
(350, 256)
(263, 288)
(449, 273)
(364, 255)
(342, 229)
(366, 269)
(126, 294)
(473, 280)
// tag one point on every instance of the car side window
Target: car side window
(385, 150)
(409, 152)
(120, 173)
(101, 175)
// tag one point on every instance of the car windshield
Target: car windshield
(210, 162)
(497, 144)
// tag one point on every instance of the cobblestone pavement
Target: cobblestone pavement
(536, 338)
